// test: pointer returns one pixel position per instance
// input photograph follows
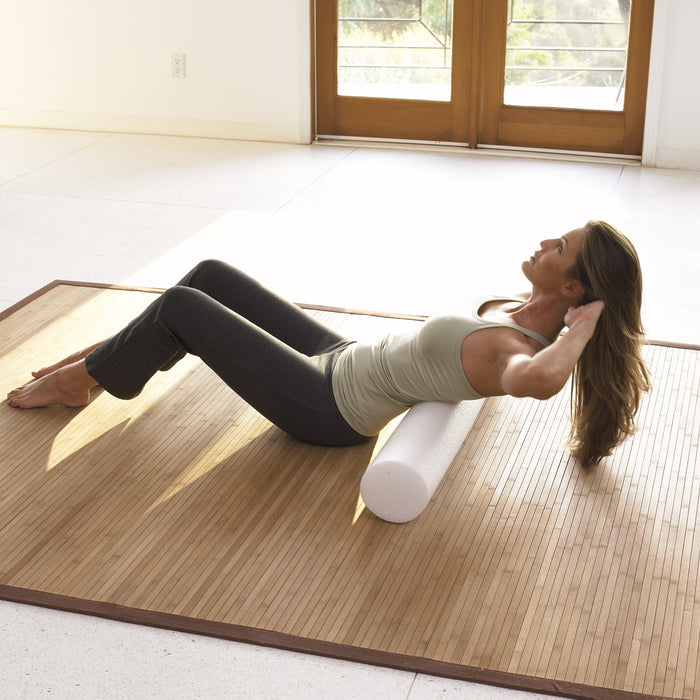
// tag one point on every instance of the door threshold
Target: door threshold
(483, 150)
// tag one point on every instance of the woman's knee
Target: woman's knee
(212, 273)
(180, 300)
(208, 266)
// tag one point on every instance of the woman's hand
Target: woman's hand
(586, 314)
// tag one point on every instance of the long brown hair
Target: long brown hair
(611, 375)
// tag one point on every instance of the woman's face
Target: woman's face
(548, 268)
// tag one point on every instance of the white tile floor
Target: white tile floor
(372, 229)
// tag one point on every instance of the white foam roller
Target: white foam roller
(402, 478)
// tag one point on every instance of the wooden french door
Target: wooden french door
(477, 106)
(415, 119)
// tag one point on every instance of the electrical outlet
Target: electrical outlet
(178, 65)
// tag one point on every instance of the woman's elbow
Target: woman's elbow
(548, 383)
(542, 383)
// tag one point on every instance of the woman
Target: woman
(325, 389)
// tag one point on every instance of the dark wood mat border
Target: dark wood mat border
(312, 307)
(268, 638)
(287, 642)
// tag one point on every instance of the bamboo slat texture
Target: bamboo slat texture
(184, 508)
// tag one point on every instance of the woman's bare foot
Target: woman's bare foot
(69, 386)
(80, 355)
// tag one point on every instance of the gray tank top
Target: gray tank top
(374, 382)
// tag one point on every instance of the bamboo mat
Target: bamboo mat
(184, 509)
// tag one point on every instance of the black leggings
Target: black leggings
(270, 352)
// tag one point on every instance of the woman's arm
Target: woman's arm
(545, 373)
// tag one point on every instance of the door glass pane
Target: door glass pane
(395, 48)
(567, 53)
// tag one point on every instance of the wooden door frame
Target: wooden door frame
(312, 69)
(476, 115)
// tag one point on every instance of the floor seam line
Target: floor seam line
(56, 160)
(315, 180)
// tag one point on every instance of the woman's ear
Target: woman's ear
(574, 290)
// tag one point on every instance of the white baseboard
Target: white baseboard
(677, 158)
(116, 123)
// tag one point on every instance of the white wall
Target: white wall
(105, 65)
(672, 130)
